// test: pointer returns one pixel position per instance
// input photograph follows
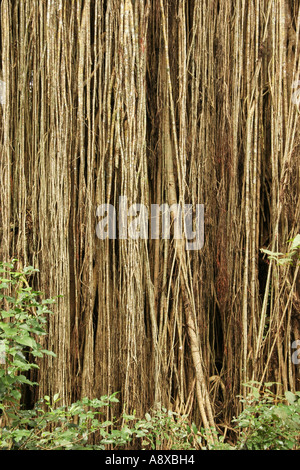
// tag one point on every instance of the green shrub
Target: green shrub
(291, 257)
(269, 422)
(48, 427)
(22, 322)
(166, 429)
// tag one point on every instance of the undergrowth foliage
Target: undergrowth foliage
(267, 422)
(22, 321)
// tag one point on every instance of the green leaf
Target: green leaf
(24, 380)
(26, 341)
(29, 269)
(271, 253)
(114, 400)
(7, 328)
(291, 398)
(194, 428)
(106, 423)
(9, 314)
(4, 285)
(269, 384)
(16, 394)
(48, 353)
(285, 261)
(296, 243)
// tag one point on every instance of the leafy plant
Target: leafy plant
(22, 322)
(48, 427)
(166, 429)
(286, 258)
(269, 422)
